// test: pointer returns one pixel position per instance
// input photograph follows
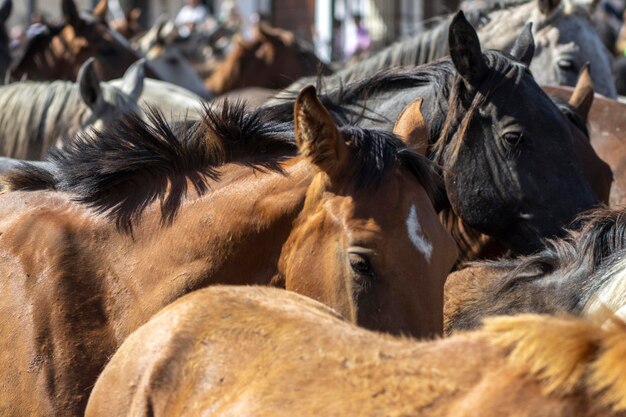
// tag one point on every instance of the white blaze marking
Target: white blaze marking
(415, 234)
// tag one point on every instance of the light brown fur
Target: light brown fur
(228, 351)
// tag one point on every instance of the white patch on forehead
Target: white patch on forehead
(415, 234)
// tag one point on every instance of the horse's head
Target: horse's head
(272, 59)
(509, 163)
(105, 101)
(368, 228)
(565, 40)
(166, 61)
(59, 53)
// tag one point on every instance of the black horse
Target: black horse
(504, 147)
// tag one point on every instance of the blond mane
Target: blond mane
(567, 354)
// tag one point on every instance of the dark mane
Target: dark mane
(121, 170)
(348, 103)
(575, 259)
(378, 151)
(560, 279)
(342, 100)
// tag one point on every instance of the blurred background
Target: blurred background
(324, 22)
(336, 28)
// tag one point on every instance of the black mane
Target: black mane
(123, 169)
(560, 279)
(348, 103)
(574, 260)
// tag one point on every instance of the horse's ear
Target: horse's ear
(101, 9)
(465, 50)
(5, 10)
(524, 47)
(547, 6)
(317, 135)
(89, 83)
(582, 97)
(411, 127)
(70, 13)
(132, 82)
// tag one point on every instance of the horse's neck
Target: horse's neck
(421, 49)
(232, 235)
(504, 25)
(36, 116)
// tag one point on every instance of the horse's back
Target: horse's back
(262, 351)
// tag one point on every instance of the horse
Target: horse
(355, 205)
(5, 48)
(607, 133)
(474, 245)
(36, 116)
(273, 59)
(490, 127)
(566, 277)
(57, 52)
(566, 39)
(168, 63)
(233, 351)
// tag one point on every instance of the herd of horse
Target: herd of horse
(250, 244)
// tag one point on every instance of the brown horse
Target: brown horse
(353, 207)
(607, 131)
(235, 351)
(58, 52)
(273, 59)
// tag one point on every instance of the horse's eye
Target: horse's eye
(361, 264)
(565, 64)
(513, 138)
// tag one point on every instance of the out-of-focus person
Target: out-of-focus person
(192, 14)
(230, 16)
(357, 39)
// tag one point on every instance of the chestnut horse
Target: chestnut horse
(58, 52)
(354, 207)
(251, 351)
(273, 59)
